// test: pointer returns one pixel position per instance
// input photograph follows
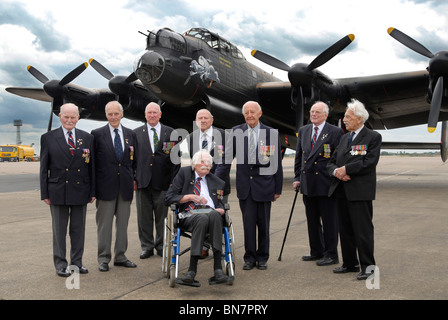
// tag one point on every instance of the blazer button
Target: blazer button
(118, 173)
(304, 161)
(150, 164)
(79, 170)
(66, 169)
(66, 181)
(317, 173)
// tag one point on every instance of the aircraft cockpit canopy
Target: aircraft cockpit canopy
(166, 38)
(215, 41)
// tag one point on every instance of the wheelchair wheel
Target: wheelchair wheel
(167, 245)
(172, 275)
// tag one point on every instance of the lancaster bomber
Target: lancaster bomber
(201, 69)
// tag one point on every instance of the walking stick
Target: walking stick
(289, 221)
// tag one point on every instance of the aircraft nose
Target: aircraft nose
(149, 67)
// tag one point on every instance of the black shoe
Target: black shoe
(188, 277)
(126, 264)
(346, 269)
(262, 265)
(248, 265)
(103, 267)
(146, 254)
(82, 270)
(311, 258)
(63, 272)
(363, 275)
(160, 253)
(327, 261)
(220, 277)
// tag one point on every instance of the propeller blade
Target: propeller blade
(331, 52)
(409, 42)
(436, 102)
(101, 69)
(131, 78)
(37, 74)
(274, 62)
(73, 74)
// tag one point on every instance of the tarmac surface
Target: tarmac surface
(411, 239)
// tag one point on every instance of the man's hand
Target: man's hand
(296, 185)
(341, 174)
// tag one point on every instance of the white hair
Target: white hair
(358, 109)
(198, 156)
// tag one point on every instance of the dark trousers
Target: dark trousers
(322, 226)
(356, 232)
(256, 215)
(60, 216)
(201, 224)
(151, 213)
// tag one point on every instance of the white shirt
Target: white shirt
(151, 134)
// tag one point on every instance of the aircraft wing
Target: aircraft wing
(32, 93)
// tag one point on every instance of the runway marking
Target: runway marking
(395, 175)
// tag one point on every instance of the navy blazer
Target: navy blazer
(261, 180)
(67, 179)
(360, 159)
(310, 166)
(183, 184)
(217, 151)
(156, 167)
(114, 176)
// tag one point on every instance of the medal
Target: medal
(86, 155)
(167, 146)
(327, 151)
(131, 148)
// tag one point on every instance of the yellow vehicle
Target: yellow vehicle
(13, 152)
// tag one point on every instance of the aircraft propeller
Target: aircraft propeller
(301, 74)
(54, 88)
(120, 85)
(438, 63)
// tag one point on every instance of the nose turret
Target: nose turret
(149, 67)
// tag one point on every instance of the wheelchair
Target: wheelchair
(172, 252)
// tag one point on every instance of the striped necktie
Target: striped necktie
(204, 141)
(71, 143)
(197, 191)
(313, 141)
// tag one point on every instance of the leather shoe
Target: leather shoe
(363, 275)
(188, 277)
(346, 269)
(127, 264)
(220, 276)
(311, 258)
(262, 265)
(63, 272)
(83, 270)
(248, 265)
(146, 254)
(103, 267)
(327, 261)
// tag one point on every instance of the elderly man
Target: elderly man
(353, 168)
(67, 184)
(114, 154)
(259, 180)
(315, 144)
(198, 191)
(155, 172)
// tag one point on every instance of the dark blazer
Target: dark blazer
(217, 151)
(113, 176)
(155, 167)
(310, 164)
(66, 179)
(183, 184)
(360, 160)
(261, 180)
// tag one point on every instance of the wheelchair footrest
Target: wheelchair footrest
(195, 283)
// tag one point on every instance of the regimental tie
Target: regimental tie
(118, 146)
(350, 138)
(155, 139)
(252, 147)
(197, 191)
(313, 141)
(71, 143)
(204, 142)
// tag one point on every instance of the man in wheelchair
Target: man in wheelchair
(198, 193)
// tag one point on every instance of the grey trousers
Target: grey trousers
(105, 213)
(60, 216)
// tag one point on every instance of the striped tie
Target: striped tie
(204, 142)
(71, 143)
(197, 191)
(313, 141)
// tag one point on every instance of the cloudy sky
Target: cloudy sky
(56, 36)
